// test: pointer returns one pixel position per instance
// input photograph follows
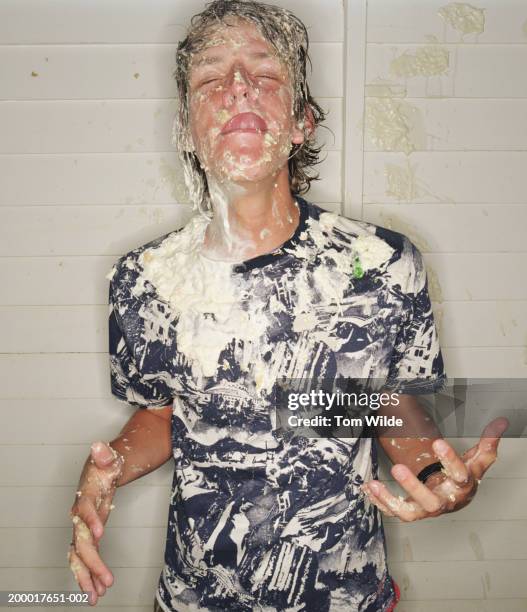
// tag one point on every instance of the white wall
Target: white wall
(87, 172)
(443, 160)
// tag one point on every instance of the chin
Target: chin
(247, 168)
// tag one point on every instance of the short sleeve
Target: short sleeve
(416, 364)
(128, 384)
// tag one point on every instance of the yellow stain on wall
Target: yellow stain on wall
(401, 182)
(432, 60)
(384, 89)
(464, 18)
(394, 125)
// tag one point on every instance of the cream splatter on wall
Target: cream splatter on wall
(431, 60)
(464, 18)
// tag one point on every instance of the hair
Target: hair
(289, 37)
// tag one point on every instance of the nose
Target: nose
(239, 87)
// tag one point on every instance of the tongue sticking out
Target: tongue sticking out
(245, 122)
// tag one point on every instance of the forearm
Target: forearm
(144, 443)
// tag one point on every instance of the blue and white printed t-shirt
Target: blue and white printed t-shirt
(258, 521)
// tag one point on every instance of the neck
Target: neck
(250, 218)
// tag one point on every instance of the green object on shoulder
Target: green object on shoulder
(358, 272)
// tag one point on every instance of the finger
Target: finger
(404, 509)
(490, 438)
(82, 575)
(487, 448)
(85, 509)
(421, 494)
(107, 458)
(454, 466)
(496, 428)
(106, 506)
(101, 588)
(87, 551)
(373, 499)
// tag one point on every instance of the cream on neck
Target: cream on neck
(249, 219)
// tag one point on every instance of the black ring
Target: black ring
(429, 470)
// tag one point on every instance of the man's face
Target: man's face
(240, 105)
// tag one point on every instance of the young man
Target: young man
(260, 286)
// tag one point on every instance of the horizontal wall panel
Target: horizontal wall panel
(126, 178)
(453, 125)
(121, 547)
(113, 126)
(475, 276)
(456, 541)
(467, 74)
(495, 178)
(88, 72)
(470, 579)
(54, 329)
(121, 21)
(63, 466)
(488, 362)
(442, 228)
(66, 375)
(40, 506)
(494, 323)
(414, 20)
(85, 230)
(75, 421)
(55, 280)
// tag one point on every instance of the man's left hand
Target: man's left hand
(445, 491)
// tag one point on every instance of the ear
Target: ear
(304, 129)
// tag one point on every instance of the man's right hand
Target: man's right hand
(89, 514)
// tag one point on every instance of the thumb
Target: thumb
(103, 455)
(495, 429)
(492, 433)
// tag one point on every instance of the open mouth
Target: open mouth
(245, 122)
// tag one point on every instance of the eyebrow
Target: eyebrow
(214, 59)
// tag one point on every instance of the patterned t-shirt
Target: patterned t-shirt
(259, 521)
